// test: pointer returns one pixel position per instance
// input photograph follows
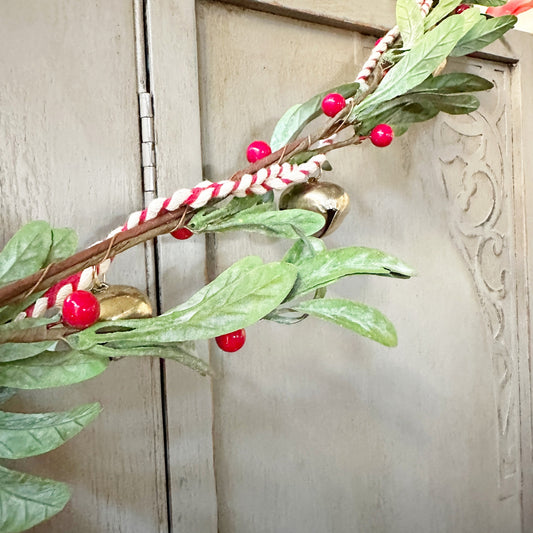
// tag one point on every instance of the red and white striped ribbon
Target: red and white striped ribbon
(274, 177)
(383, 44)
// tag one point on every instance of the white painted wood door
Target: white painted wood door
(70, 154)
(309, 428)
(312, 428)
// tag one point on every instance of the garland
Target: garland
(41, 274)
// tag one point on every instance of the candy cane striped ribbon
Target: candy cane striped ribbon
(274, 177)
(383, 44)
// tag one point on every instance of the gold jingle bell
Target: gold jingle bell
(119, 302)
(326, 198)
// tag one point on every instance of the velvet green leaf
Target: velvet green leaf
(26, 251)
(229, 276)
(26, 500)
(303, 249)
(329, 266)
(491, 3)
(357, 317)
(483, 34)
(51, 369)
(418, 107)
(181, 352)
(298, 116)
(265, 219)
(285, 316)
(227, 305)
(443, 8)
(64, 244)
(410, 21)
(212, 214)
(453, 83)
(417, 64)
(14, 351)
(26, 435)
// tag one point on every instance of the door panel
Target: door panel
(70, 155)
(314, 428)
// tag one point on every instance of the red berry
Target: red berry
(231, 342)
(333, 103)
(257, 150)
(377, 42)
(182, 233)
(81, 309)
(463, 7)
(381, 135)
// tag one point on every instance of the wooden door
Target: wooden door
(308, 428)
(312, 428)
(70, 154)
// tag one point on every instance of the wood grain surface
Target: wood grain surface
(316, 429)
(70, 155)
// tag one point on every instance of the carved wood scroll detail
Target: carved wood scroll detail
(475, 164)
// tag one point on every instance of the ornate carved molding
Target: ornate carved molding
(475, 165)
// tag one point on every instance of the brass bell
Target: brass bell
(119, 302)
(326, 198)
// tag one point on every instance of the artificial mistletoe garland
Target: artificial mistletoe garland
(92, 324)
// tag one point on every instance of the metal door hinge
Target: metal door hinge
(146, 115)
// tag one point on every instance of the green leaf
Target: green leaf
(410, 21)
(14, 351)
(214, 214)
(285, 316)
(26, 252)
(483, 33)
(229, 276)
(443, 8)
(357, 317)
(403, 110)
(24, 329)
(227, 305)
(26, 500)
(298, 116)
(425, 101)
(6, 393)
(399, 129)
(417, 107)
(453, 83)
(417, 64)
(182, 352)
(329, 266)
(303, 249)
(26, 435)
(271, 222)
(491, 3)
(51, 369)
(64, 244)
